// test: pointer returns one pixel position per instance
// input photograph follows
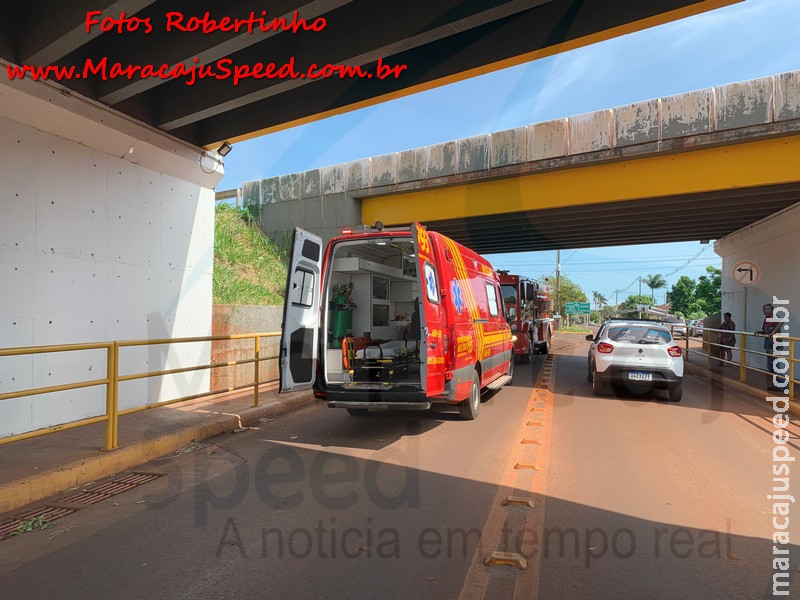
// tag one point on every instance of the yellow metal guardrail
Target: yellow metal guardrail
(113, 379)
(741, 348)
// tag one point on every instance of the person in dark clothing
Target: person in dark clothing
(769, 329)
(726, 340)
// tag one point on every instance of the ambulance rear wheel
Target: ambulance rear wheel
(468, 409)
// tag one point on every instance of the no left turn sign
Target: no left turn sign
(746, 273)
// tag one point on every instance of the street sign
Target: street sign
(577, 308)
(746, 273)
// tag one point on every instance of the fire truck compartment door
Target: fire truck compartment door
(300, 330)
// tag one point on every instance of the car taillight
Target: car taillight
(605, 348)
(675, 351)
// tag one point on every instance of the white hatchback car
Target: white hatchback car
(637, 354)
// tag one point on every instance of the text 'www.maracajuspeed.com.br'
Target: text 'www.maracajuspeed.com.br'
(223, 70)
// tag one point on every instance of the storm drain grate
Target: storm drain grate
(138, 478)
(8, 527)
(110, 488)
(47, 514)
(85, 497)
(89, 495)
(116, 486)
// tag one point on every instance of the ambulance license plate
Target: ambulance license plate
(640, 376)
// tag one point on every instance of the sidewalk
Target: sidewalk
(36, 468)
(756, 383)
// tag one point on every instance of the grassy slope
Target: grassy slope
(248, 266)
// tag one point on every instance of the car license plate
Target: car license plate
(640, 376)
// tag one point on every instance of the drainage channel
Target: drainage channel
(72, 502)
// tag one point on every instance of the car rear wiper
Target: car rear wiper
(646, 342)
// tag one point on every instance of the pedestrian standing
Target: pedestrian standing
(769, 329)
(727, 340)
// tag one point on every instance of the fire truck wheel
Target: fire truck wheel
(511, 369)
(468, 409)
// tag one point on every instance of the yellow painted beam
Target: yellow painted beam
(607, 34)
(751, 164)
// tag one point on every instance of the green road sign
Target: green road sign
(577, 308)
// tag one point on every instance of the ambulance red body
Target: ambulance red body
(527, 303)
(393, 319)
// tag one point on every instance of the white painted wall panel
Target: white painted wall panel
(95, 248)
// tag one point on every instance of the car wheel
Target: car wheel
(598, 387)
(468, 409)
(676, 393)
(358, 412)
(589, 375)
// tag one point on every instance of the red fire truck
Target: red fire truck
(528, 307)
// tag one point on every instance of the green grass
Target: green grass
(249, 268)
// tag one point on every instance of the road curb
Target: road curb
(794, 409)
(21, 492)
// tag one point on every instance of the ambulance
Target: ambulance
(393, 319)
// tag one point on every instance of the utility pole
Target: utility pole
(640, 295)
(558, 283)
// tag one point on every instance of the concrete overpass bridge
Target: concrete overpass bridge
(699, 165)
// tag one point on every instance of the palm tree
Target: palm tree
(654, 282)
(599, 300)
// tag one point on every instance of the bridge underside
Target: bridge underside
(440, 42)
(706, 216)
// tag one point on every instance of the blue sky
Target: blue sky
(752, 39)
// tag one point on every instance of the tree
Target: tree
(655, 282)
(629, 304)
(599, 300)
(682, 296)
(708, 292)
(568, 291)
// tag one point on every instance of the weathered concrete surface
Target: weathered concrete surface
(441, 159)
(384, 170)
(787, 96)
(411, 165)
(547, 140)
(591, 132)
(509, 147)
(231, 319)
(473, 154)
(687, 114)
(638, 123)
(743, 104)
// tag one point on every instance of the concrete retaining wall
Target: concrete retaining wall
(230, 319)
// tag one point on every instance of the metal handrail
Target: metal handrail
(743, 336)
(113, 379)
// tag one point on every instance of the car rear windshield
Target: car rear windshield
(639, 334)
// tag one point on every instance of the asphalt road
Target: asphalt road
(315, 504)
(649, 499)
(633, 498)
